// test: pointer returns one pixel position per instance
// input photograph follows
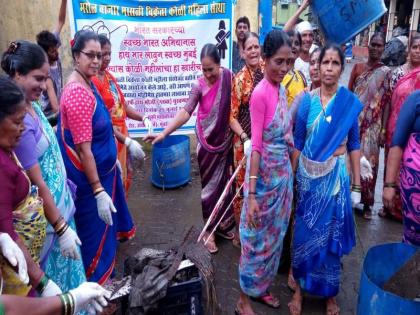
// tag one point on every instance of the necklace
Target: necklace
(83, 76)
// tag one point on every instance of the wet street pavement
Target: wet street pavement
(163, 216)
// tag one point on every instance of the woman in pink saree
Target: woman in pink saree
(212, 92)
(405, 86)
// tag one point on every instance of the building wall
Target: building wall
(24, 19)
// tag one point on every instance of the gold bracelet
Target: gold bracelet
(60, 226)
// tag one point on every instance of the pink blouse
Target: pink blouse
(263, 106)
(77, 108)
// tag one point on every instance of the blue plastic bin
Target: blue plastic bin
(380, 264)
(171, 162)
(341, 20)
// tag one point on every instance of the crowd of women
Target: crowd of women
(305, 155)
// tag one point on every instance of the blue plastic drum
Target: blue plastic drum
(380, 264)
(341, 20)
(171, 162)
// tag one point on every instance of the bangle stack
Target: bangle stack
(67, 304)
(244, 138)
(61, 227)
(42, 284)
(356, 188)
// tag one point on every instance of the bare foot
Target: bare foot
(295, 305)
(243, 306)
(291, 283)
(332, 307)
(211, 244)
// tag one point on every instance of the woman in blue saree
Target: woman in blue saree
(88, 146)
(326, 125)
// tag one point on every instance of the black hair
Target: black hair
(104, 40)
(293, 33)
(316, 50)
(273, 41)
(22, 57)
(334, 47)
(413, 39)
(46, 40)
(222, 25)
(210, 50)
(243, 19)
(11, 97)
(380, 35)
(80, 40)
(249, 35)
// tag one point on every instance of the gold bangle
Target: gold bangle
(253, 177)
(98, 190)
(60, 226)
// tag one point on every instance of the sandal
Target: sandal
(268, 300)
(236, 243)
(227, 236)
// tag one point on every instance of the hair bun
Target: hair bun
(12, 47)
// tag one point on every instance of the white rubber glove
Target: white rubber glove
(68, 244)
(14, 255)
(355, 198)
(247, 148)
(148, 124)
(135, 148)
(365, 169)
(91, 297)
(105, 207)
(51, 289)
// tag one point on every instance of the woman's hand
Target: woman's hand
(253, 213)
(148, 124)
(154, 138)
(134, 148)
(14, 256)
(91, 297)
(388, 197)
(68, 244)
(366, 172)
(51, 289)
(105, 207)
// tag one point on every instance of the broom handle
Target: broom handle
(221, 218)
(219, 202)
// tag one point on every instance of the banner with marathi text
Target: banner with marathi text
(156, 49)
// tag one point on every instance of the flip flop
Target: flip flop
(211, 246)
(268, 300)
(236, 243)
(227, 236)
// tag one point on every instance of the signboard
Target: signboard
(156, 49)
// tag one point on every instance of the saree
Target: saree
(214, 147)
(324, 224)
(243, 84)
(30, 224)
(371, 87)
(99, 240)
(261, 246)
(67, 273)
(405, 86)
(115, 102)
(410, 190)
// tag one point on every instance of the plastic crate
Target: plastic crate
(183, 298)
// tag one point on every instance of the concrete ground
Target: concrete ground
(163, 216)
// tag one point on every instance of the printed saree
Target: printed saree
(324, 225)
(371, 87)
(214, 148)
(99, 240)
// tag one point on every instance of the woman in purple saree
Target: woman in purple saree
(214, 149)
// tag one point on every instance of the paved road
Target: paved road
(162, 217)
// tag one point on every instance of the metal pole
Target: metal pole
(265, 18)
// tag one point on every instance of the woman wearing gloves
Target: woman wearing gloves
(268, 180)
(326, 128)
(243, 84)
(87, 142)
(21, 213)
(114, 100)
(40, 156)
(212, 93)
(88, 296)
